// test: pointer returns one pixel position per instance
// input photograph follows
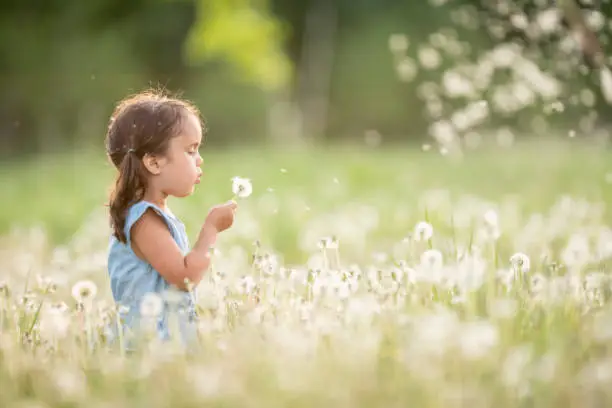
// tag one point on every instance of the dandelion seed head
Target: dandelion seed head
(520, 262)
(423, 231)
(84, 291)
(151, 305)
(242, 187)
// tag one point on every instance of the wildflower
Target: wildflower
(432, 259)
(241, 187)
(577, 253)
(423, 231)
(491, 218)
(54, 322)
(151, 305)
(246, 285)
(328, 243)
(520, 262)
(490, 230)
(538, 283)
(84, 291)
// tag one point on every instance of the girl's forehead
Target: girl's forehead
(191, 131)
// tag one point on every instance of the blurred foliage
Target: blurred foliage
(65, 63)
(245, 34)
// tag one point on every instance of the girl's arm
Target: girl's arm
(153, 243)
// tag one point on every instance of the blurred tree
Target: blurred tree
(244, 33)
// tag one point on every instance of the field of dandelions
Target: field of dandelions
(351, 277)
(474, 271)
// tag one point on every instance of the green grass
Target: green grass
(59, 192)
(377, 322)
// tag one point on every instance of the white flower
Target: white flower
(328, 243)
(84, 290)
(491, 218)
(432, 259)
(246, 285)
(538, 283)
(151, 305)
(241, 187)
(423, 231)
(520, 262)
(54, 322)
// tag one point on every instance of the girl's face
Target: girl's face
(179, 169)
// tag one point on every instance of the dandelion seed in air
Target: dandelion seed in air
(83, 291)
(241, 187)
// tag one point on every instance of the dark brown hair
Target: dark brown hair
(140, 124)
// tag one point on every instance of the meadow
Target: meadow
(352, 277)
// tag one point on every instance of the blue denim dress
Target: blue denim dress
(131, 279)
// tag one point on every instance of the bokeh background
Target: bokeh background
(370, 96)
(272, 71)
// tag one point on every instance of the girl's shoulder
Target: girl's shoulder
(137, 210)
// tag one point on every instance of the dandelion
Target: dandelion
(84, 291)
(423, 231)
(328, 243)
(577, 253)
(520, 262)
(241, 187)
(54, 322)
(151, 305)
(538, 283)
(246, 285)
(432, 259)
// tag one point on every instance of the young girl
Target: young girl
(153, 141)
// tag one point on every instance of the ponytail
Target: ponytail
(129, 189)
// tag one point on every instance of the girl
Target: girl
(153, 141)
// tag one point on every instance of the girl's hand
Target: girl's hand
(221, 217)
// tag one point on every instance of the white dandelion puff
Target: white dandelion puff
(241, 187)
(423, 231)
(328, 243)
(520, 262)
(84, 290)
(491, 218)
(151, 305)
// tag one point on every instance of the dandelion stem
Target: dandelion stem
(120, 334)
(35, 319)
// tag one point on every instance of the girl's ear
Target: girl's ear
(153, 164)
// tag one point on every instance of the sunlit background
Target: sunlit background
(428, 223)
